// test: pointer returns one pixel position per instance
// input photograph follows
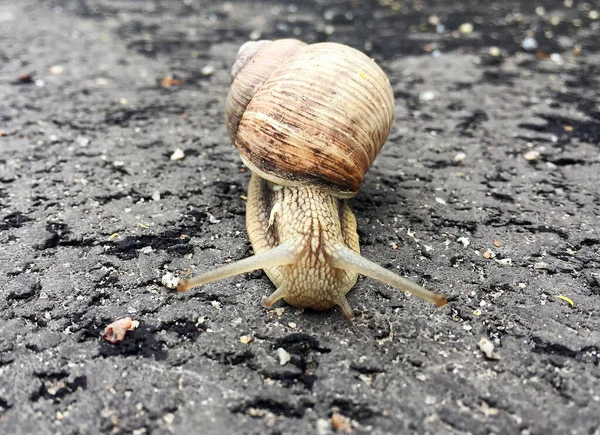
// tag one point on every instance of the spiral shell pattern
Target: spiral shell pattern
(318, 115)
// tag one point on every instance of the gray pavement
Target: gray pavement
(487, 189)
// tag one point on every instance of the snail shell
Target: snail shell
(313, 115)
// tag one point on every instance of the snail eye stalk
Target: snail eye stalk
(286, 253)
(344, 258)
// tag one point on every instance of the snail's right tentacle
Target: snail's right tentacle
(346, 308)
(342, 257)
(286, 253)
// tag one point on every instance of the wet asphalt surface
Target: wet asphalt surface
(487, 189)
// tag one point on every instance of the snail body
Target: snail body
(308, 121)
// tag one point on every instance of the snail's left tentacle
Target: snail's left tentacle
(286, 253)
(342, 257)
(275, 296)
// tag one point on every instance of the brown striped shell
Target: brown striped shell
(308, 114)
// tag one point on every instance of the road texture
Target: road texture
(487, 189)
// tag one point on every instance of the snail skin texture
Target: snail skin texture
(308, 121)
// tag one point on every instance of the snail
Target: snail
(308, 121)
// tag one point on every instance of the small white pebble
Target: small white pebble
(212, 219)
(57, 70)
(147, 250)
(494, 51)
(440, 201)
(434, 20)
(487, 347)
(466, 242)
(532, 156)
(255, 35)
(216, 304)
(459, 157)
(292, 325)
(427, 96)
(540, 265)
(156, 195)
(504, 261)
(323, 427)
(466, 28)
(208, 70)
(556, 58)
(367, 379)
(82, 141)
(169, 281)
(178, 154)
(594, 15)
(529, 44)
(283, 355)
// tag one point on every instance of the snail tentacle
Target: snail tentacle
(286, 253)
(275, 296)
(346, 308)
(346, 259)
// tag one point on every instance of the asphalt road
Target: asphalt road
(487, 189)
